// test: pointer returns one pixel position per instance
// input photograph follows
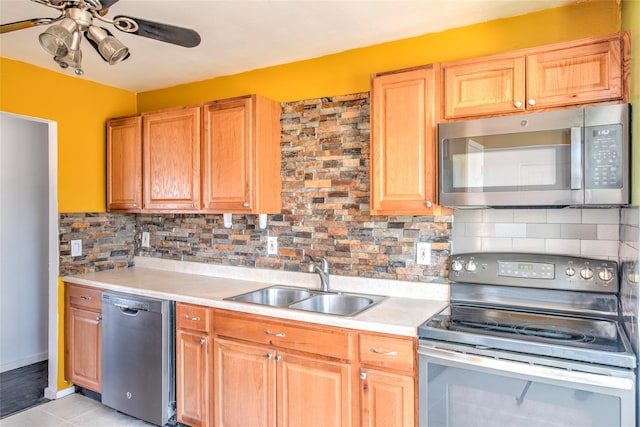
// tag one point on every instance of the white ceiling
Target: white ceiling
(241, 35)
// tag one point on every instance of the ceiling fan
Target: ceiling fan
(76, 19)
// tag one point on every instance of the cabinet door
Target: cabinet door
(244, 385)
(484, 87)
(124, 164)
(228, 156)
(83, 348)
(313, 392)
(403, 155)
(387, 399)
(192, 378)
(171, 159)
(576, 75)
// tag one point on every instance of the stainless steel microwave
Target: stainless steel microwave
(575, 157)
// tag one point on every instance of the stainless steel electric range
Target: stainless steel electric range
(527, 340)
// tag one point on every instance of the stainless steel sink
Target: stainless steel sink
(304, 299)
(340, 304)
(278, 296)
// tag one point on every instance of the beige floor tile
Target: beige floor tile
(34, 417)
(70, 407)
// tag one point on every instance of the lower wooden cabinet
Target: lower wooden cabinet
(194, 351)
(83, 337)
(238, 369)
(387, 399)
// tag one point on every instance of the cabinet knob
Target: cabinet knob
(532, 101)
(428, 203)
(269, 356)
(363, 375)
(135, 205)
(99, 318)
(245, 204)
(202, 341)
(193, 205)
(517, 104)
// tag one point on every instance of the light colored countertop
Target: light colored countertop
(405, 307)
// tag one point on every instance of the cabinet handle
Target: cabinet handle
(517, 104)
(363, 375)
(532, 101)
(383, 353)
(245, 205)
(202, 341)
(278, 358)
(193, 205)
(195, 319)
(428, 204)
(99, 318)
(135, 205)
(269, 356)
(279, 334)
(82, 297)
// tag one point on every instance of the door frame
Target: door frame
(51, 391)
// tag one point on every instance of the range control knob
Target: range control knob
(456, 265)
(570, 271)
(472, 266)
(605, 275)
(586, 273)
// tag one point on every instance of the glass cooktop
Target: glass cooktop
(591, 340)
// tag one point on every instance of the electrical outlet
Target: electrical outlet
(76, 248)
(145, 239)
(423, 255)
(272, 245)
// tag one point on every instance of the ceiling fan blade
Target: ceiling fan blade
(106, 4)
(164, 32)
(20, 25)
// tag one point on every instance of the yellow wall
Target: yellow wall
(349, 72)
(80, 108)
(631, 23)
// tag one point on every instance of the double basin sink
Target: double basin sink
(341, 304)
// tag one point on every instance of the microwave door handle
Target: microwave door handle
(576, 158)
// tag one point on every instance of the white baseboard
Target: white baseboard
(25, 361)
(53, 394)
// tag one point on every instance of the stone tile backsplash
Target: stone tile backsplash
(593, 233)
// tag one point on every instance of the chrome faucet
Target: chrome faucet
(322, 270)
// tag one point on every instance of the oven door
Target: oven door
(459, 389)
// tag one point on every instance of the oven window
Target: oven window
(529, 161)
(459, 397)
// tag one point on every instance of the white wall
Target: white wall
(24, 241)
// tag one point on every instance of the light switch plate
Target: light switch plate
(76, 248)
(272, 245)
(145, 239)
(423, 254)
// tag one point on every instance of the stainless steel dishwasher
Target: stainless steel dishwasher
(138, 356)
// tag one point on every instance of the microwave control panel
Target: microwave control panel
(603, 157)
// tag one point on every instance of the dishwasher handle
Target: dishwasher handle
(128, 311)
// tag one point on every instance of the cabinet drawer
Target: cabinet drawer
(194, 317)
(326, 341)
(83, 297)
(387, 352)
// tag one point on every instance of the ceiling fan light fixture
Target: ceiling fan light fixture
(111, 49)
(57, 38)
(73, 58)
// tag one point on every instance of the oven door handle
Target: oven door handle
(526, 370)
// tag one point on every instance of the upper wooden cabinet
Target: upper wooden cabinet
(124, 164)
(564, 74)
(220, 157)
(241, 156)
(171, 159)
(403, 148)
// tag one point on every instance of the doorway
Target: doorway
(28, 245)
